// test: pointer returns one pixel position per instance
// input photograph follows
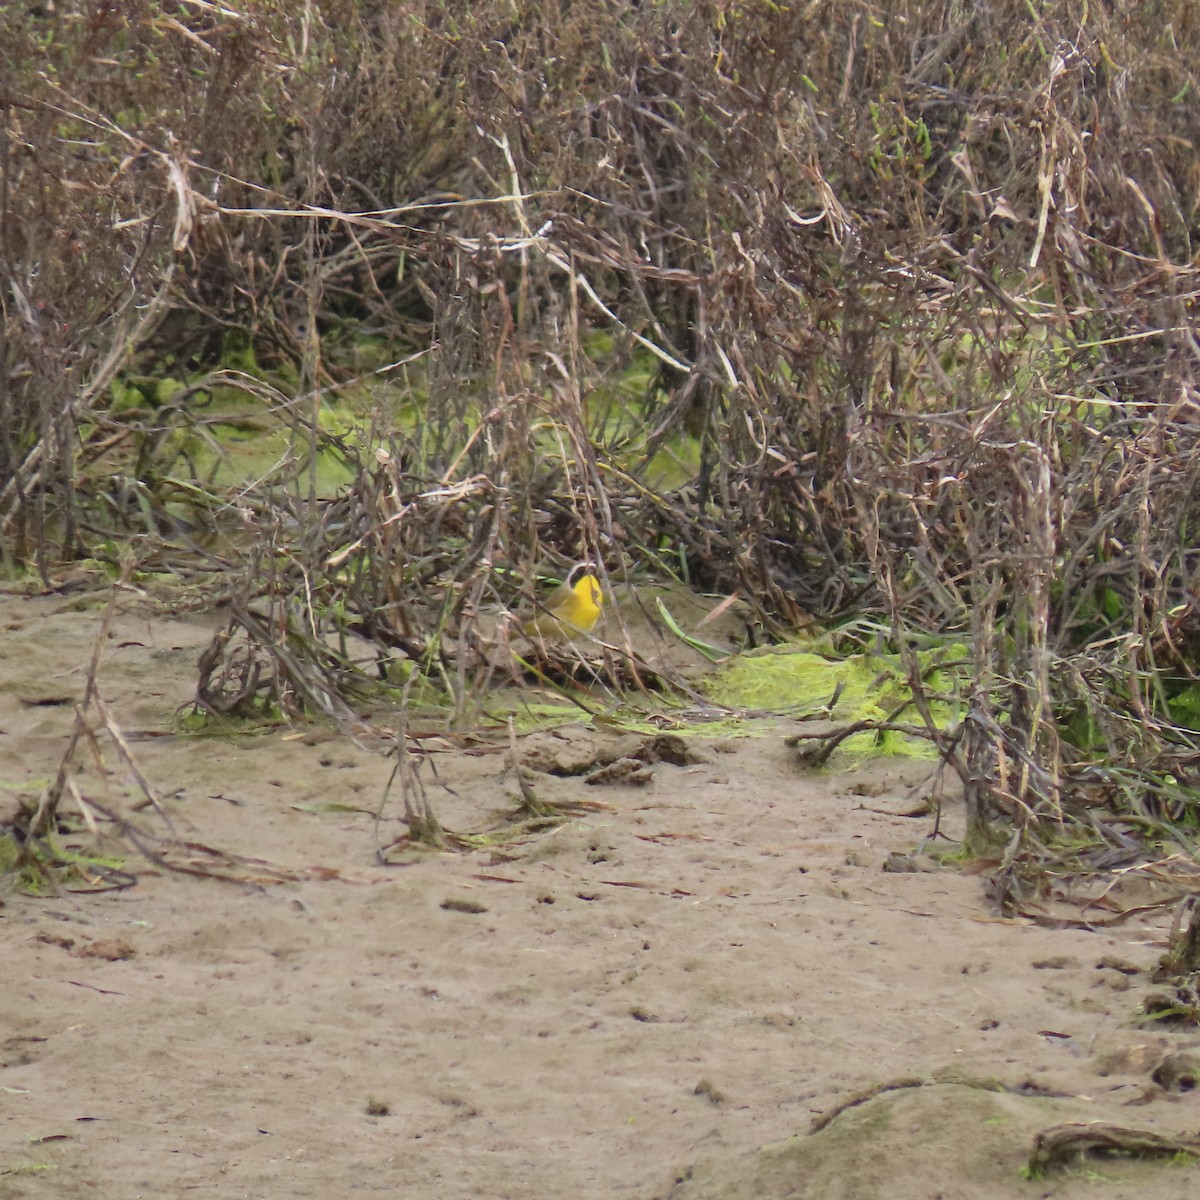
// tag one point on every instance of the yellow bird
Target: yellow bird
(573, 607)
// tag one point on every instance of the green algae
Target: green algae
(795, 680)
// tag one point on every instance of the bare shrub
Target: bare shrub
(840, 305)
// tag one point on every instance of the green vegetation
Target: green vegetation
(871, 688)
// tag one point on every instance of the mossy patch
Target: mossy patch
(868, 687)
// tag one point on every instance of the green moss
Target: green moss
(199, 723)
(40, 866)
(9, 852)
(33, 1168)
(791, 678)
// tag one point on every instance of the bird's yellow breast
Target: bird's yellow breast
(572, 608)
(581, 607)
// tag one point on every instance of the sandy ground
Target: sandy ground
(657, 999)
